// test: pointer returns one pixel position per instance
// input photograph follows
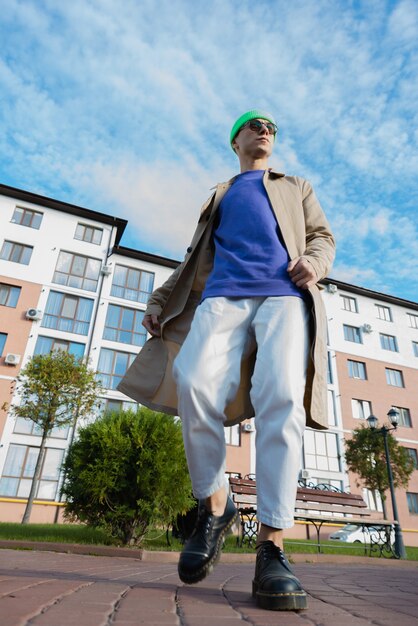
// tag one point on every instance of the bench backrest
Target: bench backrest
(244, 494)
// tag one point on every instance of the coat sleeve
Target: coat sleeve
(320, 242)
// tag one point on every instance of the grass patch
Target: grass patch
(65, 533)
(156, 539)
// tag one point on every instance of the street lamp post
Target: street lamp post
(393, 416)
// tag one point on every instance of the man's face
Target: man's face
(255, 143)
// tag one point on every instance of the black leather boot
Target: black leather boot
(203, 548)
(275, 587)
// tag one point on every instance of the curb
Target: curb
(72, 548)
(155, 556)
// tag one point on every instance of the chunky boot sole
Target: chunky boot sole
(290, 601)
(190, 578)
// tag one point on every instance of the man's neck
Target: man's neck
(248, 164)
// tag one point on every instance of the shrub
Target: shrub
(127, 471)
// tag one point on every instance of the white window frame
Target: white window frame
(405, 419)
(361, 409)
(384, 313)
(349, 303)
(388, 342)
(354, 331)
(392, 375)
(413, 320)
(22, 248)
(356, 366)
(82, 229)
(233, 435)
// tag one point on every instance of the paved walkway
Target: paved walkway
(53, 589)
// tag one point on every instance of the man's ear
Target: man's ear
(234, 146)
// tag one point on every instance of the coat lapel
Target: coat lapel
(282, 207)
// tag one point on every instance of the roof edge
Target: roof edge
(133, 253)
(65, 207)
(363, 291)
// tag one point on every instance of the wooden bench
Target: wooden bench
(315, 504)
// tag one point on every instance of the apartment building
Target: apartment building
(373, 356)
(67, 283)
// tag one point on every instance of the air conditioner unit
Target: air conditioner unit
(12, 359)
(304, 474)
(106, 270)
(331, 288)
(367, 328)
(247, 427)
(33, 314)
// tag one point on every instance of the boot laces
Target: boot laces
(204, 521)
(270, 551)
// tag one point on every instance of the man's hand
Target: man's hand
(302, 273)
(152, 324)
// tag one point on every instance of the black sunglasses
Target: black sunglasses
(258, 125)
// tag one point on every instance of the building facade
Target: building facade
(67, 283)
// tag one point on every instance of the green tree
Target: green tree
(53, 390)
(127, 471)
(365, 455)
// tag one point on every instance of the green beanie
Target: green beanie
(246, 117)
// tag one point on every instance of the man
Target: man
(240, 327)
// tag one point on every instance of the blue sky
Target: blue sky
(125, 107)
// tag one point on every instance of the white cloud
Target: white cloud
(353, 274)
(127, 107)
(161, 201)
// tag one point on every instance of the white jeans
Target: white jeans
(207, 374)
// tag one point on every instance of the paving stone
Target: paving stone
(51, 589)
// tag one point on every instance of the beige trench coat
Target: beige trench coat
(306, 233)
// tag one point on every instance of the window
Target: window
(77, 271)
(329, 369)
(383, 313)
(321, 451)
(394, 377)
(413, 320)
(372, 499)
(16, 252)
(124, 325)
(352, 333)
(361, 408)
(84, 232)
(415, 347)
(27, 217)
(19, 468)
(412, 499)
(404, 416)
(388, 342)
(332, 418)
(349, 304)
(112, 366)
(3, 337)
(27, 427)
(69, 313)
(45, 345)
(357, 369)
(132, 284)
(233, 435)
(9, 295)
(413, 453)
(119, 405)
(113, 405)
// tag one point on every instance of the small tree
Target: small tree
(127, 471)
(53, 389)
(365, 455)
